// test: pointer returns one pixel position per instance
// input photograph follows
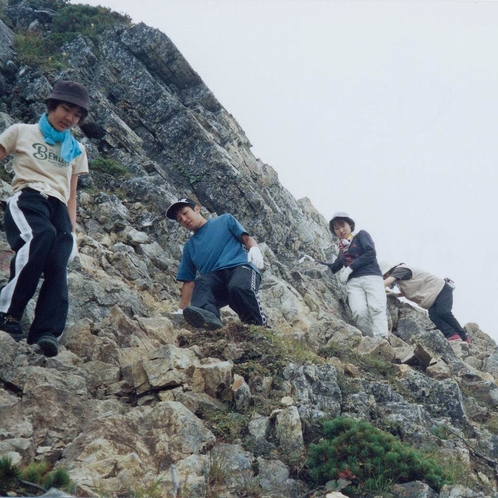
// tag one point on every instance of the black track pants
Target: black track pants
(236, 287)
(440, 313)
(39, 231)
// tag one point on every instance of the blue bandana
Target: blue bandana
(70, 148)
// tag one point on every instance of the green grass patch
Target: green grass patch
(69, 21)
(226, 425)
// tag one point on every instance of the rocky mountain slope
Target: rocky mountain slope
(137, 403)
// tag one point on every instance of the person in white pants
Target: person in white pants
(365, 285)
(367, 300)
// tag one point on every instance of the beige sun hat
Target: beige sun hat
(341, 216)
(387, 266)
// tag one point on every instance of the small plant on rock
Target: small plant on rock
(227, 426)
(373, 459)
(441, 431)
(493, 425)
(219, 473)
(9, 475)
(39, 476)
(378, 367)
(109, 167)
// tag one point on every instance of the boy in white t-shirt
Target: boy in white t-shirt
(40, 219)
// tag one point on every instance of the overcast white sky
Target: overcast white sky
(385, 109)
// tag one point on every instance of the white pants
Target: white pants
(367, 300)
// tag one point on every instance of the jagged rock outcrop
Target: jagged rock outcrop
(136, 399)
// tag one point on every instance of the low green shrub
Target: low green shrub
(9, 475)
(33, 49)
(372, 459)
(441, 431)
(68, 22)
(89, 21)
(39, 476)
(226, 425)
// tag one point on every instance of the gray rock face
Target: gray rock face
(136, 398)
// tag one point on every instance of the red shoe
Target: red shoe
(455, 337)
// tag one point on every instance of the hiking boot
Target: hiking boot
(11, 325)
(199, 317)
(455, 337)
(49, 345)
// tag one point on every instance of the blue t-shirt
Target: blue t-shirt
(215, 246)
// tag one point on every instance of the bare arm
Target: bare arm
(3, 152)
(248, 241)
(387, 283)
(187, 289)
(71, 204)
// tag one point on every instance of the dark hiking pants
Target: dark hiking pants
(440, 313)
(39, 232)
(236, 287)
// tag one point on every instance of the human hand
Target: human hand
(74, 250)
(255, 256)
(179, 311)
(344, 275)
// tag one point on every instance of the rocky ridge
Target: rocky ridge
(139, 402)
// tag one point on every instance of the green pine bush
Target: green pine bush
(9, 474)
(58, 478)
(37, 475)
(372, 459)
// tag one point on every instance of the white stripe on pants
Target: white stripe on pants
(367, 300)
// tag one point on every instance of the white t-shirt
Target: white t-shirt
(39, 165)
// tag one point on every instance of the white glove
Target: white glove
(345, 274)
(306, 257)
(255, 256)
(74, 250)
(179, 311)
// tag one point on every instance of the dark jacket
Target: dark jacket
(362, 253)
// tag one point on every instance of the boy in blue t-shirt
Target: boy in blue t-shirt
(228, 275)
